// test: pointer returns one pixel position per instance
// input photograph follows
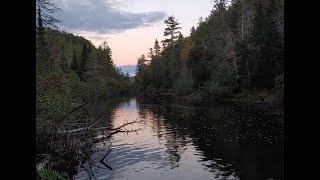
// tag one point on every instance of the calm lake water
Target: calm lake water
(184, 141)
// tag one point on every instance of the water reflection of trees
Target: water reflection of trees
(224, 135)
(167, 126)
(99, 108)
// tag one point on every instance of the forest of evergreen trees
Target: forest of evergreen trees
(237, 51)
(70, 71)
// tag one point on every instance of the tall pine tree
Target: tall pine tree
(83, 63)
(74, 63)
(156, 48)
(172, 31)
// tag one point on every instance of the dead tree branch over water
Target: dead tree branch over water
(78, 144)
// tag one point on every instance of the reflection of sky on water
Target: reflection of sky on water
(131, 104)
(179, 142)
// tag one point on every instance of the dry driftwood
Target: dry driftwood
(79, 141)
(87, 128)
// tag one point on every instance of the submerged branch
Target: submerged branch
(104, 157)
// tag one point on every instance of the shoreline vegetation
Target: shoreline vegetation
(263, 96)
(71, 76)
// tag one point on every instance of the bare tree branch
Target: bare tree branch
(72, 112)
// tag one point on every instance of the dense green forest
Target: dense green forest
(70, 72)
(236, 52)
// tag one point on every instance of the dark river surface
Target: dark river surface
(178, 140)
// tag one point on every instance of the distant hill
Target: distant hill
(130, 69)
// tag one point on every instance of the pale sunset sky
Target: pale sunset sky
(129, 26)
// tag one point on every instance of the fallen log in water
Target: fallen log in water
(76, 145)
(60, 131)
(87, 128)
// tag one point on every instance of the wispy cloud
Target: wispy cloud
(102, 16)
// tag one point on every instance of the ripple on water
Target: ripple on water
(187, 142)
